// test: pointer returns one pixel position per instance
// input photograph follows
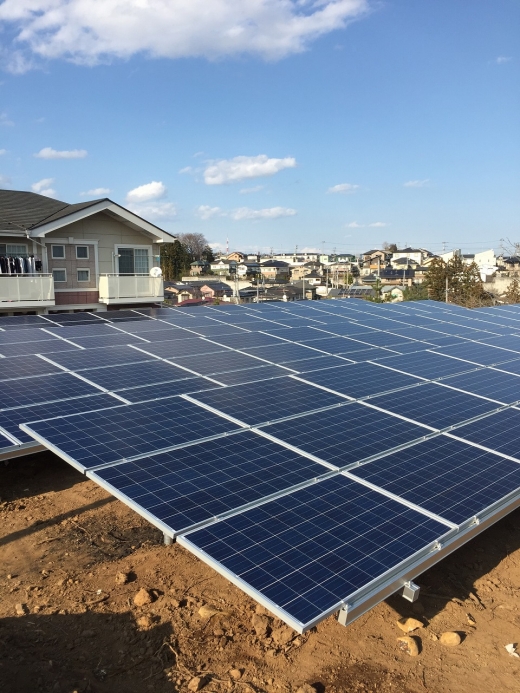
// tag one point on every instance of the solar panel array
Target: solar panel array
(314, 453)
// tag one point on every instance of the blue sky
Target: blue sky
(274, 123)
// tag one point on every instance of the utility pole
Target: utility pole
(447, 289)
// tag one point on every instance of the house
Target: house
(275, 271)
(223, 267)
(288, 292)
(391, 276)
(198, 267)
(248, 269)
(178, 293)
(235, 256)
(60, 257)
(374, 260)
(307, 269)
(393, 294)
(416, 255)
(213, 289)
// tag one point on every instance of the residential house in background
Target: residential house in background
(235, 256)
(179, 293)
(60, 257)
(198, 267)
(275, 271)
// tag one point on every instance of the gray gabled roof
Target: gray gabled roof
(21, 210)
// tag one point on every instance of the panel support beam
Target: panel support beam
(410, 591)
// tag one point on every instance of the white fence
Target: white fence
(18, 289)
(117, 288)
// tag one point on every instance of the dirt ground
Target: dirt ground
(68, 622)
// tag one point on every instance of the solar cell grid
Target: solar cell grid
(83, 318)
(195, 484)
(360, 379)
(447, 477)
(116, 339)
(81, 359)
(43, 388)
(310, 550)
(28, 335)
(245, 339)
(12, 418)
(488, 382)
(39, 347)
(434, 405)
(427, 364)
(25, 367)
(252, 375)
(105, 436)
(481, 354)
(283, 352)
(134, 375)
(266, 401)
(195, 346)
(318, 363)
(220, 362)
(169, 389)
(347, 434)
(22, 321)
(499, 432)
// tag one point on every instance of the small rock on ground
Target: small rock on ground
(197, 683)
(281, 636)
(143, 597)
(409, 624)
(409, 645)
(306, 688)
(451, 639)
(235, 674)
(260, 624)
(21, 609)
(122, 578)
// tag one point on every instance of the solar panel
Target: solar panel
(81, 359)
(499, 432)
(319, 363)
(44, 347)
(215, 330)
(258, 402)
(446, 477)
(162, 390)
(347, 434)
(246, 339)
(283, 353)
(178, 490)
(506, 342)
(82, 318)
(252, 375)
(478, 353)
(411, 348)
(194, 346)
(360, 379)
(381, 339)
(172, 334)
(25, 367)
(28, 335)
(124, 315)
(434, 405)
(427, 364)
(488, 382)
(304, 554)
(221, 362)
(74, 331)
(103, 437)
(11, 419)
(43, 388)
(5, 442)
(116, 339)
(134, 375)
(22, 321)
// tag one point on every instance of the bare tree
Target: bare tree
(195, 244)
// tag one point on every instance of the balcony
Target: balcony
(130, 288)
(26, 291)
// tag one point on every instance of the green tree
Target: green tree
(175, 261)
(416, 292)
(464, 284)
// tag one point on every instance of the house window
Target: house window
(82, 252)
(133, 261)
(12, 249)
(58, 252)
(83, 275)
(59, 275)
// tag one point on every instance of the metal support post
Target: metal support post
(168, 541)
(342, 616)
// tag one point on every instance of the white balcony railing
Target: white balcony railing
(26, 290)
(130, 288)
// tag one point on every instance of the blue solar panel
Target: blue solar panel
(258, 402)
(197, 483)
(71, 332)
(160, 391)
(347, 434)
(109, 435)
(25, 367)
(23, 321)
(427, 364)
(481, 354)
(28, 335)
(500, 432)
(5, 443)
(447, 477)
(487, 382)
(11, 419)
(382, 339)
(116, 339)
(252, 375)
(134, 375)
(81, 359)
(308, 551)
(43, 388)
(360, 379)
(434, 405)
(221, 362)
(507, 342)
(44, 347)
(319, 363)
(187, 347)
(171, 335)
(246, 339)
(75, 318)
(216, 330)
(283, 353)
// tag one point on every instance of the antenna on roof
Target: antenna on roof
(227, 246)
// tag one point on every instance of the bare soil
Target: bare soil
(63, 541)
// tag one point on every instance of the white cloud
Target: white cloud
(90, 32)
(355, 225)
(243, 167)
(309, 249)
(501, 59)
(256, 188)
(96, 192)
(416, 183)
(144, 193)
(187, 169)
(157, 210)
(43, 187)
(3, 151)
(5, 182)
(206, 212)
(5, 120)
(378, 224)
(345, 188)
(271, 213)
(50, 153)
